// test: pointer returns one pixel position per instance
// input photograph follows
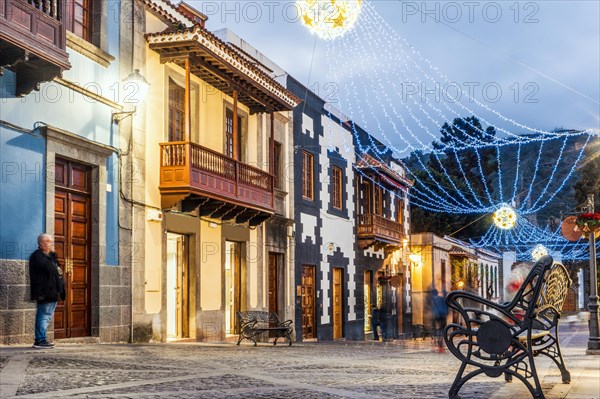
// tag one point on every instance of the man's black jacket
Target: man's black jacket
(47, 284)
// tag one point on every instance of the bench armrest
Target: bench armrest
(286, 323)
(248, 324)
(503, 311)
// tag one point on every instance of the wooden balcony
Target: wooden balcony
(213, 184)
(33, 41)
(379, 231)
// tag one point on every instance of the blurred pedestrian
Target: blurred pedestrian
(440, 316)
(375, 322)
(47, 287)
(517, 276)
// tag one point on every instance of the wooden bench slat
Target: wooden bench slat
(538, 335)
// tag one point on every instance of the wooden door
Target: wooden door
(273, 282)
(182, 288)
(72, 229)
(400, 302)
(400, 210)
(366, 198)
(273, 286)
(234, 288)
(229, 135)
(570, 302)
(308, 302)
(176, 112)
(367, 282)
(337, 304)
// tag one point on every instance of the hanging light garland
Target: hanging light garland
(370, 40)
(411, 123)
(329, 19)
(526, 235)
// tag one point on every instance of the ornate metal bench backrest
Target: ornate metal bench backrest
(260, 317)
(552, 296)
(542, 294)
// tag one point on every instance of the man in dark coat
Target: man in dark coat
(47, 287)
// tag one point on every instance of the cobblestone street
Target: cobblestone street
(402, 369)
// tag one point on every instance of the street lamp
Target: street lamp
(594, 339)
(136, 82)
(136, 87)
(415, 259)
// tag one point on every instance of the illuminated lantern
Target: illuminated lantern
(538, 251)
(329, 19)
(505, 217)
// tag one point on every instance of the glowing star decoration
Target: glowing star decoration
(329, 19)
(505, 217)
(538, 251)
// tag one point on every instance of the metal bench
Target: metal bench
(253, 323)
(499, 339)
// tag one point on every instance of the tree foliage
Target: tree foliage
(589, 174)
(468, 171)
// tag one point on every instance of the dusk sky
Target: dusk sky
(543, 56)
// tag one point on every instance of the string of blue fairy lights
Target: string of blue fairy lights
(393, 37)
(445, 199)
(524, 237)
(370, 40)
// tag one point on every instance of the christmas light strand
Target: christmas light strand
(445, 200)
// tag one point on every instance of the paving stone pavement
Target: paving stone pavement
(400, 369)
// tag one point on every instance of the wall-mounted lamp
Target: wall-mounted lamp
(136, 87)
(415, 258)
(119, 116)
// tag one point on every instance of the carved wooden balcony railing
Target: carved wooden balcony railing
(33, 41)
(374, 229)
(210, 177)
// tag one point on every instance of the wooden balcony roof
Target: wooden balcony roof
(369, 165)
(223, 67)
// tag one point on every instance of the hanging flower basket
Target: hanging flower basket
(588, 222)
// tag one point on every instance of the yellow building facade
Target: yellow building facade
(446, 264)
(209, 142)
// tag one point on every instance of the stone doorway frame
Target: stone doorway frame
(63, 144)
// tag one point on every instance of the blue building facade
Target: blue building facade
(59, 151)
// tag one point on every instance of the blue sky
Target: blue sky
(544, 56)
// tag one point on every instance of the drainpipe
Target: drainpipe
(130, 145)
